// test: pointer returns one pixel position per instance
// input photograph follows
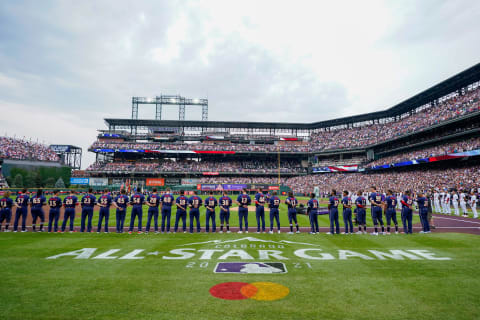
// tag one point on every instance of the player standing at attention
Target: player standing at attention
(422, 203)
(137, 201)
(436, 201)
(463, 203)
(153, 201)
(473, 204)
(312, 210)
(292, 202)
(210, 204)
(55, 203)
(88, 202)
(104, 202)
(361, 204)
(225, 203)
(70, 202)
(167, 201)
(121, 203)
(194, 203)
(376, 200)
(347, 213)
(181, 203)
(448, 208)
(391, 212)
(333, 212)
(37, 202)
(260, 210)
(6, 204)
(407, 212)
(243, 201)
(274, 213)
(455, 202)
(21, 211)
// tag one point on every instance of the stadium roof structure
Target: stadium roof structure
(442, 89)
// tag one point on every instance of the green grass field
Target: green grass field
(154, 287)
(303, 220)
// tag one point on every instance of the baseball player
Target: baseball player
(407, 203)
(312, 210)
(104, 202)
(37, 202)
(423, 212)
(274, 213)
(243, 201)
(194, 203)
(210, 204)
(260, 210)
(181, 203)
(70, 202)
(87, 203)
(436, 201)
(391, 212)
(448, 208)
(167, 201)
(361, 204)
(225, 202)
(333, 212)
(153, 201)
(347, 213)
(22, 201)
(121, 203)
(6, 205)
(291, 203)
(136, 201)
(473, 204)
(463, 203)
(377, 202)
(455, 202)
(55, 203)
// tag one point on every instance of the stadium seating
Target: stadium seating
(19, 149)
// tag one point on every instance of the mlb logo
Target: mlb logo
(250, 267)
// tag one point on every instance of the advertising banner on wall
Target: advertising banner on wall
(190, 181)
(155, 182)
(79, 180)
(98, 182)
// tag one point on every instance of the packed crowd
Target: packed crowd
(254, 166)
(19, 149)
(418, 180)
(443, 149)
(375, 133)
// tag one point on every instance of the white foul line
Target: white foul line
(436, 217)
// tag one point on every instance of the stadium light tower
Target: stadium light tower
(160, 101)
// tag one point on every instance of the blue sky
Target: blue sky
(66, 65)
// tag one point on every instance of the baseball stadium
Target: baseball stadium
(370, 216)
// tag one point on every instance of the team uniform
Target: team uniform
(137, 201)
(225, 203)
(154, 201)
(333, 214)
(22, 211)
(210, 204)
(106, 201)
(274, 213)
(87, 202)
(463, 204)
(37, 203)
(6, 205)
(312, 210)
(407, 214)
(167, 201)
(195, 202)
(55, 203)
(121, 201)
(391, 212)
(361, 204)
(422, 203)
(181, 213)
(473, 205)
(292, 213)
(448, 208)
(436, 202)
(245, 201)
(376, 200)
(347, 214)
(455, 204)
(70, 202)
(260, 210)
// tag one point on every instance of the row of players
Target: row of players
(167, 200)
(445, 199)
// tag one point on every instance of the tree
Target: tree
(60, 184)
(49, 182)
(18, 181)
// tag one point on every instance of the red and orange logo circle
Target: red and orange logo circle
(261, 291)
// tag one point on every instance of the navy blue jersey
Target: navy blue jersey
(70, 201)
(274, 202)
(422, 203)
(88, 201)
(105, 200)
(137, 199)
(333, 201)
(259, 199)
(182, 201)
(55, 202)
(376, 197)
(38, 201)
(167, 200)
(22, 200)
(291, 203)
(244, 200)
(225, 202)
(211, 202)
(154, 200)
(6, 204)
(122, 201)
(312, 205)
(361, 202)
(407, 202)
(346, 201)
(391, 202)
(195, 202)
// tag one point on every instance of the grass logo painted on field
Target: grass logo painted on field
(260, 291)
(251, 267)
